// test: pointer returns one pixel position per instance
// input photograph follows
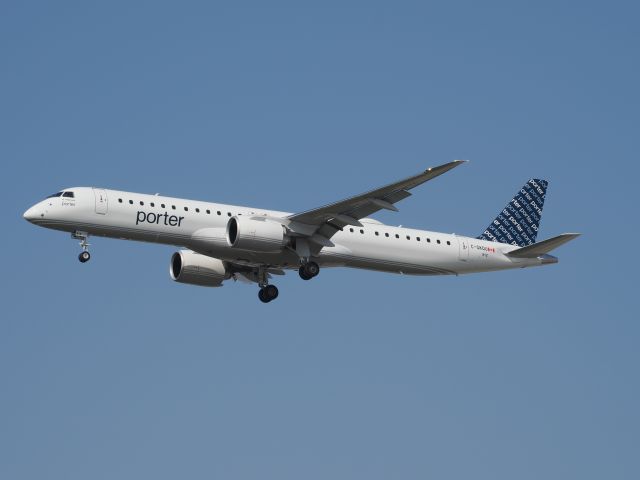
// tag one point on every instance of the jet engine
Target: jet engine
(195, 269)
(255, 234)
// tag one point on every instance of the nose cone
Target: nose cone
(32, 214)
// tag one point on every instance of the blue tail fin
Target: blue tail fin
(517, 224)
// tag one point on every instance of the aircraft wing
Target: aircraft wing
(333, 217)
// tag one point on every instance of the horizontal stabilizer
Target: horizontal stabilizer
(542, 248)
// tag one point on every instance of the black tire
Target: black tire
(303, 274)
(271, 292)
(263, 296)
(84, 257)
(312, 269)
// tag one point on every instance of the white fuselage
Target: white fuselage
(201, 227)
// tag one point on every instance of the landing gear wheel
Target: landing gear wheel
(84, 257)
(268, 293)
(271, 292)
(312, 269)
(261, 295)
(303, 274)
(309, 270)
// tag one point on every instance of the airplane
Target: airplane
(220, 242)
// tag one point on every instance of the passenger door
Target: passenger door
(102, 204)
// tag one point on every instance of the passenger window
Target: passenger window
(377, 234)
(162, 205)
(351, 230)
(141, 202)
(130, 202)
(173, 207)
(428, 240)
(386, 234)
(119, 200)
(197, 210)
(228, 214)
(208, 212)
(361, 231)
(438, 242)
(408, 237)
(397, 236)
(152, 204)
(219, 212)
(418, 238)
(448, 242)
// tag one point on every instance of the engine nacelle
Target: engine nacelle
(195, 269)
(255, 234)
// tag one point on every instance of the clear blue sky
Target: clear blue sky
(110, 370)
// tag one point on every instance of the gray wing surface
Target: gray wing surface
(333, 217)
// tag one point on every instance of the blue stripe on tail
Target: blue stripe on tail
(519, 221)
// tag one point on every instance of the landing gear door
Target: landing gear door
(102, 205)
(463, 249)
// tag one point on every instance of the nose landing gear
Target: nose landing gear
(84, 256)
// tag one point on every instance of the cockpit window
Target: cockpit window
(59, 194)
(68, 194)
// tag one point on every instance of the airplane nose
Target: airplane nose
(31, 214)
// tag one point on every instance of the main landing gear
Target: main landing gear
(309, 270)
(267, 292)
(84, 256)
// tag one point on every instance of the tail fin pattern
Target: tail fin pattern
(517, 224)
